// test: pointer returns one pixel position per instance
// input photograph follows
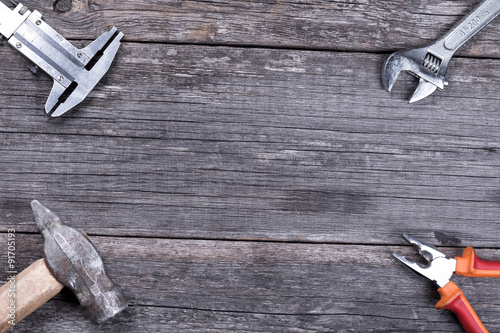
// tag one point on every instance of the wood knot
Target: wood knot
(62, 6)
(446, 239)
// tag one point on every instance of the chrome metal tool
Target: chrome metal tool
(75, 71)
(429, 63)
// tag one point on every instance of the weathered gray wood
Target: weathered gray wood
(189, 285)
(182, 143)
(217, 142)
(360, 25)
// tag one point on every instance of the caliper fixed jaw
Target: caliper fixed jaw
(75, 71)
(63, 98)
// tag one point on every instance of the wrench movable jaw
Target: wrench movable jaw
(423, 90)
(421, 63)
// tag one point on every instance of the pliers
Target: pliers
(440, 269)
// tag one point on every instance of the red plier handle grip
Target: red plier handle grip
(453, 299)
(469, 264)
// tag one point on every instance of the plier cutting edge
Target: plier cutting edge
(440, 269)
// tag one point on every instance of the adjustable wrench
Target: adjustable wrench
(430, 63)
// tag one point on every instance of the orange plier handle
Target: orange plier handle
(453, 299)
(469, 264)
(440, 270)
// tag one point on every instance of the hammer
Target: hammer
(71, 261)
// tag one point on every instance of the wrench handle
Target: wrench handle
(453, 299)
(471, 23)
(469, 264)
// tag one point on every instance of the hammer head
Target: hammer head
(74, 261)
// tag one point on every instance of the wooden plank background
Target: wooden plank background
(241, 168)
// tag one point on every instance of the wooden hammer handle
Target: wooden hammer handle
(27, 292)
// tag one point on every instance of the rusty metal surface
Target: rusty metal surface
(75, 262)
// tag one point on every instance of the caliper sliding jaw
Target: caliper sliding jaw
(75, 71)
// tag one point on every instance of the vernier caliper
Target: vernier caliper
(75, 71)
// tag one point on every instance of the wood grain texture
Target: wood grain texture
(359, 25)
(224, 142)
(234, 286)
(240, 168)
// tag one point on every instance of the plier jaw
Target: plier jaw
(439, 268)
